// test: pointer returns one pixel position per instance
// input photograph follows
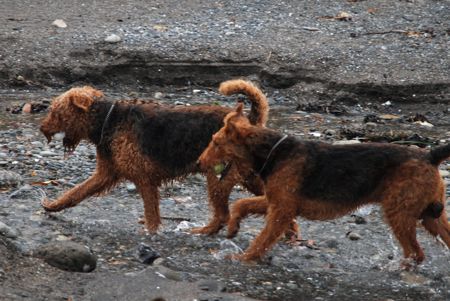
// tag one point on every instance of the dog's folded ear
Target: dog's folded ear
(82, 101)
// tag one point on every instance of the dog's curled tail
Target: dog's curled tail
(439, 154)
(259, 112)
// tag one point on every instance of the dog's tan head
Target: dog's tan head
(228, 144)
(68, 113)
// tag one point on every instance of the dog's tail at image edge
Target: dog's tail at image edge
(259, 112)
(439, 154)
(435, 211)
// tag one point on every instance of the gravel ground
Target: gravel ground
(352, 258)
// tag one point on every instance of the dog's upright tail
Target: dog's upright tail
(259, 112)
(439, 154)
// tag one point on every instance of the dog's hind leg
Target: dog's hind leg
(243, 208)
(150, 195)
(254, 205)
(404, 227)
(102, 180)
(277, 222)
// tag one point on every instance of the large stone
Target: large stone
(9, 179)
(7, 231)
(68, 256)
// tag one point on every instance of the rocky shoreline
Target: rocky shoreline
(352, 257)
(337, 71)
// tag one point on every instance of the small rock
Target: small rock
(186, 226)
(58, 136)
(158, 95)
(182, 199)
(168, 273)
(446, 280)
(7, 231)
(131, 187)
(59, 23)
(158, 261)
(10, 179)
(147, 254)
(371, 125)
(62, 238)
(227, 247)
(38, 144)
(343, 16)
(26, 109)
(444, 173)
(113, 38)
(47, 153)
(25, 189)
(311, 28)
(292, 286)
(68, 256)
(424, 123)
(168, 202)
(413, 278)
(365, 210)
(330, 132)
(211, 286)
(353, 236)
(359, 220)
(331, 243)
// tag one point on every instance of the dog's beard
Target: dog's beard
(70, 143)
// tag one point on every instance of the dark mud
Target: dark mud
(385, 49)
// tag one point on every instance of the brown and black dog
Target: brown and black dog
(149, 144)
(319, 181)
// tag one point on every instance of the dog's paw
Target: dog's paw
(151, 228)
(50, 206)
(232, 232)
(207, 230)
(409, 264)
(244, 258)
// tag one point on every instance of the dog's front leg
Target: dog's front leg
(101, 180)
(218, 194)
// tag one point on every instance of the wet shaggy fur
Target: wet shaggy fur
(148, 144)
(319, 181)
